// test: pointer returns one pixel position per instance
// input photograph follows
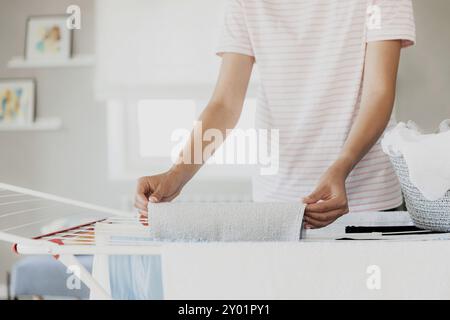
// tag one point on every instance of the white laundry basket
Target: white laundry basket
(426, 214)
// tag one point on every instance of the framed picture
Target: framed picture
(17, 101)
(48, 38)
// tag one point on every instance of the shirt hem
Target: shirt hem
(220, 52)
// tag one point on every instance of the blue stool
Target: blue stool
(45, 276)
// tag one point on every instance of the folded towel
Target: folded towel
(427, 156)
(226, 221)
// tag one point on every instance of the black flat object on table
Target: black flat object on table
(388, 230)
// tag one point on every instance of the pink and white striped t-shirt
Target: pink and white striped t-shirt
(310, 56)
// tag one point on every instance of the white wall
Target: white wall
(72, 162)
(424, 78)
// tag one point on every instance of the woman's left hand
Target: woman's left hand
(328, 201)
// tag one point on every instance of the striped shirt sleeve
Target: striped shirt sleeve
(235, 36)
(391, 20)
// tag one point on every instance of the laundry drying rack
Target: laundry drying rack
(37, 223)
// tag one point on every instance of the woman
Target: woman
(328, 75)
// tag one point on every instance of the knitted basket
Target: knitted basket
(426, 214)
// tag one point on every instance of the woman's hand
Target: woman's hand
(159, 188)
(328, 202)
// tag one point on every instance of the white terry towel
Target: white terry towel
(427, 156)
(226, 221)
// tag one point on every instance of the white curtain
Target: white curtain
(157, 48)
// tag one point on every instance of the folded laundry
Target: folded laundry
(426, 155)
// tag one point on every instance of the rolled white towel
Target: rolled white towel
(226, 221)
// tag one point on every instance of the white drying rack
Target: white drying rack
(88, 230)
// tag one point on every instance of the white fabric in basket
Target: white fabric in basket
(427, 157)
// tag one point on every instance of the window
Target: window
(141, 137)
(158, 120)
(154, 84)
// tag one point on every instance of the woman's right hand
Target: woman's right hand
(158, 188)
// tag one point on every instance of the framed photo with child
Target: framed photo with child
(48, 38)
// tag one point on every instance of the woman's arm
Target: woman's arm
(222, 113)
(329, 200)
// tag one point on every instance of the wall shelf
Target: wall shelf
(75, 61)
(41, 124)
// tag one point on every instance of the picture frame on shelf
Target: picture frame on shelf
(48, 38)
(17, 101)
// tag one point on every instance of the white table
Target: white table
(318, 268)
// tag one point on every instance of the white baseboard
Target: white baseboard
(3, 292)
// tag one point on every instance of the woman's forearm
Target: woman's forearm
(221, 114)
(380, 77)
(216, 116)
(367, 129)
(329, 199)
